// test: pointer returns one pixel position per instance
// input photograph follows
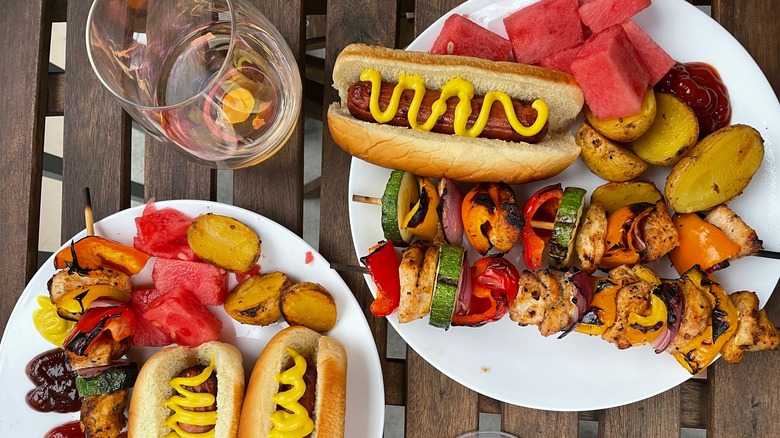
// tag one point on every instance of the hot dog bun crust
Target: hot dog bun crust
(330, 397)
(460, 158)
(147, 411)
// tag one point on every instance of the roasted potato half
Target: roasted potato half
(224, 242)
(716, 170)
(674, 131)
(255, 301)
(626, 128)
(606, 159)
(310, 305)
(614, 195)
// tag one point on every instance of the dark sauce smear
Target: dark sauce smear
(67, 430)
(55, 383)
(699, 85)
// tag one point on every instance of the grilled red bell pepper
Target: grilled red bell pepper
(494, 288)
(382, 263)
(541, 207)
(97, 323)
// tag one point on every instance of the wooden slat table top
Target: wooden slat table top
(736, 400)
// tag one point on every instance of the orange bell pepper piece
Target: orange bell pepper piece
(603, 310)
(621, 225)
(701, 243)
(92, 252)
(491, 217)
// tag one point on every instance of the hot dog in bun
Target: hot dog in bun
(441, 130)
(188, 391)
(298, 383)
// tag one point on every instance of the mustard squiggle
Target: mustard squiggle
(455, 87)
(189, 399)
(296, 423)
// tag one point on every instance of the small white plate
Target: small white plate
(518, 365)
(282, 250)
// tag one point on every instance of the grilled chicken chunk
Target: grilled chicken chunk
(417, 273)
(735, 229)
(659, 234)
(631, 297)
(697, 313)
(531, 302)
(558, 317)
(63, 281)
(754, 330)
(103, 416)
(591, 238)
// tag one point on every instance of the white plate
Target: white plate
(518, 365)
(282, 250)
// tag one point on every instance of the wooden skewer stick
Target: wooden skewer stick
(88, 213)
(544, 225)
(348, 268)
(367, 199)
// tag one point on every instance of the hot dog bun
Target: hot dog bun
(330, 398)
(147, 409)
(461, 158)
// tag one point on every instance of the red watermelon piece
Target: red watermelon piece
(601, 14)
(241, 276)
(163, 233)
(207, 282)
(461, 36)
(146, 334)
(544, 28)
(610, 74)
(655, 59)
(180, 315)
(561, 61)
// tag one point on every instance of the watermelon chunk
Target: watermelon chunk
(655, 59)
(610, 74)
(544, 28)
(146, 334)
(461, 36)
(561, 61)
(180, 315)
(207, 282)
(241, 276)
(163, 233)
(601, 14)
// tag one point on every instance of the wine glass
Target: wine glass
(213, 77)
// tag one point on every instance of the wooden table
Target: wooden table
(736, 400)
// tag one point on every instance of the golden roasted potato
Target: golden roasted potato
(674, 131)
(310, 305)
(716, 170)
(255, 301)
(606, 159)
(614, 195)
(626, 128)
(224, 242)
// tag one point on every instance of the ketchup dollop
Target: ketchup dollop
(55, 383)
(67, 430)
(699, 85)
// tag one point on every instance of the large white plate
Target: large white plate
(518, 365)
(282, 250)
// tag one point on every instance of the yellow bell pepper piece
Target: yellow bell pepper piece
(423, 220)
(653, 322)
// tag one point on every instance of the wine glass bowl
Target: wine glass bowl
(213, 77)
